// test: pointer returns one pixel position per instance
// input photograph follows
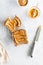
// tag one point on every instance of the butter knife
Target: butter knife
(35, 39)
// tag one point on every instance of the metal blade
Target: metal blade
(37, 33)
(35, 39)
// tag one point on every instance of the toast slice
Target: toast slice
(20, 37)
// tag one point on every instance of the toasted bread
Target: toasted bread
(20, 37)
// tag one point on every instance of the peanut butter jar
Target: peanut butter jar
(22, 2)
(34, 12)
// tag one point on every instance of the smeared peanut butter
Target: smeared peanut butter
(20, 37)
(12, 24)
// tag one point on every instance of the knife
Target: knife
(35, 39)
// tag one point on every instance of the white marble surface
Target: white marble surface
(19, 55)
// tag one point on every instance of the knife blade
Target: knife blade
(37, 33)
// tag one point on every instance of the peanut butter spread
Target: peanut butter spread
(20, 37)
(33, 13)
(22, 2)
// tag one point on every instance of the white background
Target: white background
(19, 55)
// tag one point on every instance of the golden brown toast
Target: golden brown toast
(12, 24)
(20, 37)
(18, 21)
